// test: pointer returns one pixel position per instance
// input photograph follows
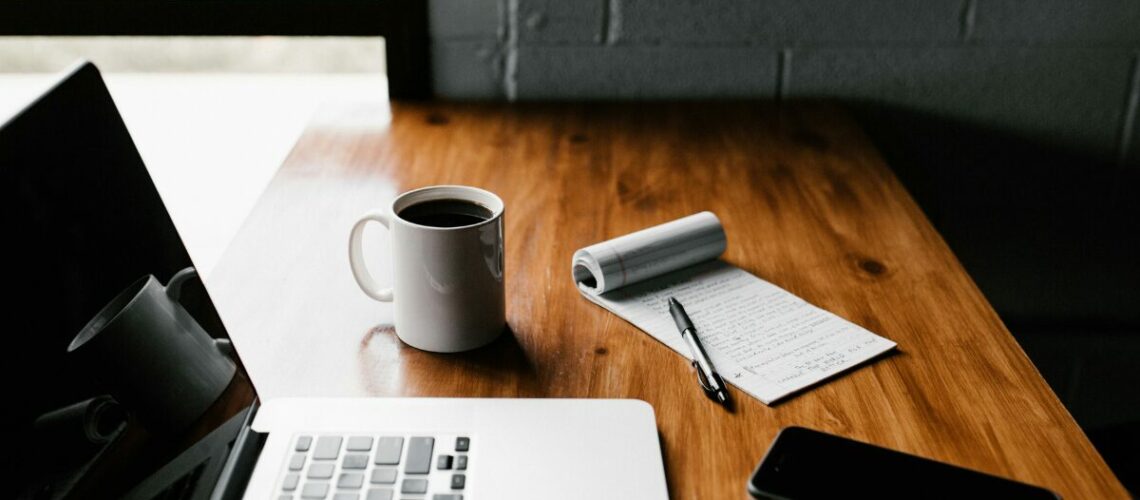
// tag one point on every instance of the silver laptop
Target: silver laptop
(84, 224)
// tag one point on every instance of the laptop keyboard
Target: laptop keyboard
(362, 467)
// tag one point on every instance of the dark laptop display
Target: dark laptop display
(148, 381)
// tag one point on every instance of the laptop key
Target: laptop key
(414, 486)
(383, 476)
(443, 462)
(458, 481)
(315, 490)
(419, 455)
(290, 482)
(297, 462)
(328, 448)
(447, 496)
(388, 450)
(321, 471)
(355, 461)
(462, 443)
(351, 480)
(359, 443)
(342, 495)
(303, 443)
(379, 494)
(461, 462)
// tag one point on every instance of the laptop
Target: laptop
(83, 223)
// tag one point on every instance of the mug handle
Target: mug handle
(174, 291)
(174, 286)
(356, 256)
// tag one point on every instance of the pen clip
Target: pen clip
(701, 379)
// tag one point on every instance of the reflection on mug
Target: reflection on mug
(153, 356)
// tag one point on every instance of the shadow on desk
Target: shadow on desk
(1040, 227)
(477, 373)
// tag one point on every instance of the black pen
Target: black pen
(706, 375)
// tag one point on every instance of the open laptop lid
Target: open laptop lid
(147, 380)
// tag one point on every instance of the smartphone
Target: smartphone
(802, 463)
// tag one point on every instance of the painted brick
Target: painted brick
(557, 22)
(1042, 21)
(459, 19)
(793, 22)
(1069, 97)
(645, 72)
(1130, 156)
(467, 69)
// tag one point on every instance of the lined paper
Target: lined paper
(763, 339)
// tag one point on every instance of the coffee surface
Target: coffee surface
(445, 213)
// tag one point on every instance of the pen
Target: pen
(706, 375)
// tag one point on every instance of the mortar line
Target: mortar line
(510, 61)
(1131, 108)
(604, 35)
(612, 25)
(783, 72)
(968, 19)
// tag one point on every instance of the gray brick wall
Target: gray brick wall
(559, 22)
(787, 22)
(640, 72)
(1052, 70)
(1070, 96)
(1087, 22)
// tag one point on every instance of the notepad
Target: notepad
(763, 339)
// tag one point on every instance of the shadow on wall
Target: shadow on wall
(1051, 235)
(1047, 232)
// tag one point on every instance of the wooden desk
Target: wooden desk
(807, 203)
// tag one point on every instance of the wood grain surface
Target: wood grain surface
(807, 204)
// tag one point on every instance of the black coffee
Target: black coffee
(445, 213)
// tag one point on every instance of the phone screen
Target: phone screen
(802, 463)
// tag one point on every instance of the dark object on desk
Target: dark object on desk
(803, 463)
(707, 376)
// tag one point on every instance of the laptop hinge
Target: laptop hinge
(243, 456)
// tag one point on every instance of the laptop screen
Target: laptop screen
(116, 361)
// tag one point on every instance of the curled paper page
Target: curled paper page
(636, 257)
(762, 339)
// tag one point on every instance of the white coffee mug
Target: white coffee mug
(448, 282)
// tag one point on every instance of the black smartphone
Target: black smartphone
(802, 463)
